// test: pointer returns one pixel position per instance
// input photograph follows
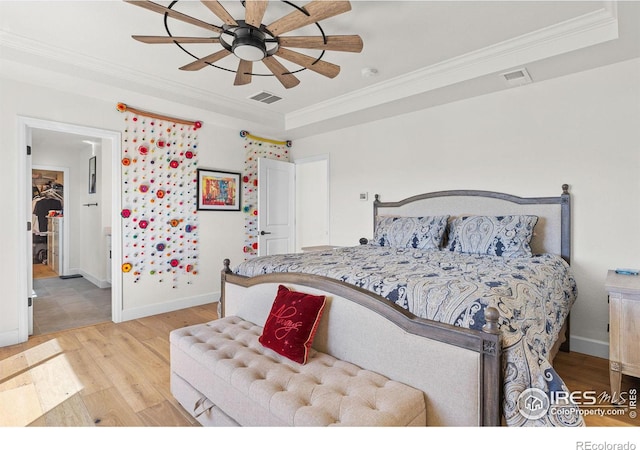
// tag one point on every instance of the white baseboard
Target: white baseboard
(174, 305)
(102, 284)
(589, 346)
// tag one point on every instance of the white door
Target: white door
(276, 207)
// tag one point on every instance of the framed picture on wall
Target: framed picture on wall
(218, 190)
(92, 175)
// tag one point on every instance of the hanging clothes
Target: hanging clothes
(41, 210)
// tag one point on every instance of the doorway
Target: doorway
(77, 286)
(47, 187)
(312, 202)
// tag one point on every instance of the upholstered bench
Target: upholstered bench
(222, 375)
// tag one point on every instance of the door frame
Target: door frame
(25, 124)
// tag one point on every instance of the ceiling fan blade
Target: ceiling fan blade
(243, 75)
(174, 14)
(204, 62)
(322, 67)
(351, 43)
(178, 39)
(216, 8)
(255, 12)
(318, 10)
(287, 79)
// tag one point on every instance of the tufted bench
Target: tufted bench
(223, 376)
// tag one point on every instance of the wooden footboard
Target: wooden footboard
(458, 369)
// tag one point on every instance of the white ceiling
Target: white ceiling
(426, 53)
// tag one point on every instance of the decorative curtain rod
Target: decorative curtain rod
(122, 107)
(244, 133)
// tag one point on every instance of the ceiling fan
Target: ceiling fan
(252, 41)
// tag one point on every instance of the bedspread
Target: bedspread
(533, 294)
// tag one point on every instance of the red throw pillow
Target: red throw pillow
(292, 323)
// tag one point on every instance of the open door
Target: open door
(276, 207)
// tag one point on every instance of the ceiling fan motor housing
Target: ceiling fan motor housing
(249, 44)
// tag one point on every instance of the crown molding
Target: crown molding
(51, 58)
(586, 30)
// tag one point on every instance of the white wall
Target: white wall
(91, 238)
(581, 129)
(221, 234)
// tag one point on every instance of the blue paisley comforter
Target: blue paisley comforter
(533, 294)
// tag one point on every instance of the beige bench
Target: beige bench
(222, 375)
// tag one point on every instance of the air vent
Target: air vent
(265, 97)
(517, 77)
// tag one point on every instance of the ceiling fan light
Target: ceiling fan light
(248, 52)
(249, 45)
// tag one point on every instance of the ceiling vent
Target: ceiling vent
(265, 97)
(517, 77)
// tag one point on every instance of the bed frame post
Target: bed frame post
(491, 369)
(376, 203)
(565, 223)
(223, 277)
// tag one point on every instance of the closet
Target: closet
(47, 221)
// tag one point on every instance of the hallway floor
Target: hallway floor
(64, 304)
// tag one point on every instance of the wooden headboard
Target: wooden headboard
(552, 233)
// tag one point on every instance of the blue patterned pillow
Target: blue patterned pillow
(424, 233)
(497, 236)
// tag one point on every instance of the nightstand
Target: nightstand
(624, 327)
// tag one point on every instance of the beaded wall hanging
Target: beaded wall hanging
(159, 183)
(256, 148)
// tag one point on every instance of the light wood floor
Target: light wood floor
(118, 375)
(582, 373)
(105, 375)
(43, 271)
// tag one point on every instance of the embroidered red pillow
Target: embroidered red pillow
(292, 323)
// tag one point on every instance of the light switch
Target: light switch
(364, 196)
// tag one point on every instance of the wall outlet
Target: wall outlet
(364, 196)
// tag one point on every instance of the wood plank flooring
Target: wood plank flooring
(582, 373)
(43, 271)
(104, 375)
(117, 375)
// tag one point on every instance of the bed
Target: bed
(445, 257)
